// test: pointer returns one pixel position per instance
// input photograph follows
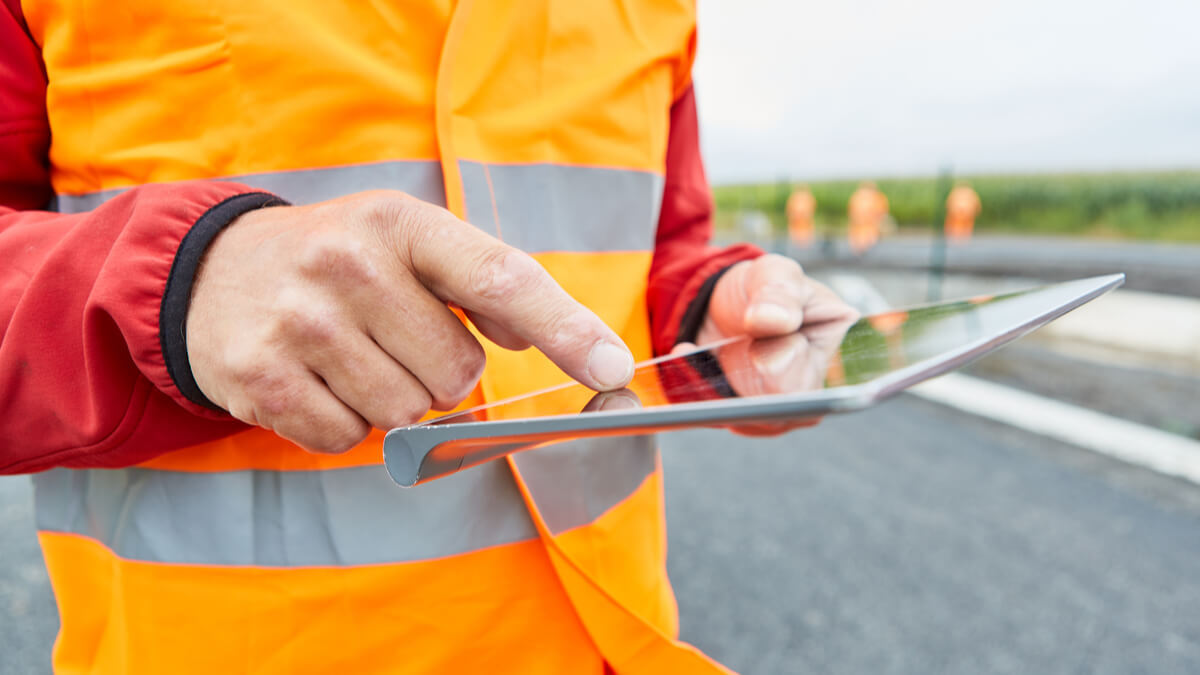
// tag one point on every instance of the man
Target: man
(867, 208)
(173, 342)
(962, 207)
(801, 211)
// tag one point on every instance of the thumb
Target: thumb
(776, 294)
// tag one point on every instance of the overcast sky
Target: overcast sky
(865, 88)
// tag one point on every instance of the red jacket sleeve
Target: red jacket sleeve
(83, 380)
(24, 135)
(683, 259)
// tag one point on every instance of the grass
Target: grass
(1161, 206)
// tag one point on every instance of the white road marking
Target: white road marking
(1132, 328)
(1127, 441)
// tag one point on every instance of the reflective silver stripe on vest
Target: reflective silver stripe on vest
(421, 179)
(551, 207)
(357, 516)
(353, 516)
(536, 207)
(555, 474)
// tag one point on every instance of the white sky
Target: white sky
(866, 88)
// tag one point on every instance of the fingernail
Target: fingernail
(768, 314)
(610, 366)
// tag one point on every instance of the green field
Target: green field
(1159, 205)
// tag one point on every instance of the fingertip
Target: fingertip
(610, 365)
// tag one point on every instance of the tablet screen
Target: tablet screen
(817, 357)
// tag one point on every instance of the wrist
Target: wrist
(184, 272)
(697, 311)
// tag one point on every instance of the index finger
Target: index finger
(463, 265)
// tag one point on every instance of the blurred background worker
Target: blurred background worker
(801, 209)
(867, 209)
(962, 207)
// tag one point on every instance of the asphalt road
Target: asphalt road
(28, 619)
(905, 539)
(913, 539)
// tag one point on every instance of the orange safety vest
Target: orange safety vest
(962, 206)
(867, 209)
(543, 123)
(800, 208)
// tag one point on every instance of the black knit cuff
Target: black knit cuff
(172, 314)
(693, 317)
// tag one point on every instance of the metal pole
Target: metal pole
(937, 256)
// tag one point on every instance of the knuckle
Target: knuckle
(382, 208)
(336, 255)
(472, 361)
(275, 399)
(251, 373)
(344, 437)
(299, 319)
(774, 263)
(241, 362)
(412, 407)
(267, 394)
(396, 219)
(330, 438)
(460, 376)
(502, 273)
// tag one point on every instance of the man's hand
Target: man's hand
(767, 297)
(320, 322)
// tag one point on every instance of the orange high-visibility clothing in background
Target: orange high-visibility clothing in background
(801, 210)
(962, 207)
(248, 554)
(867, 208)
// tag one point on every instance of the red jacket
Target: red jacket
(83, 379)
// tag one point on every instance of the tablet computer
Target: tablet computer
(821, 369)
